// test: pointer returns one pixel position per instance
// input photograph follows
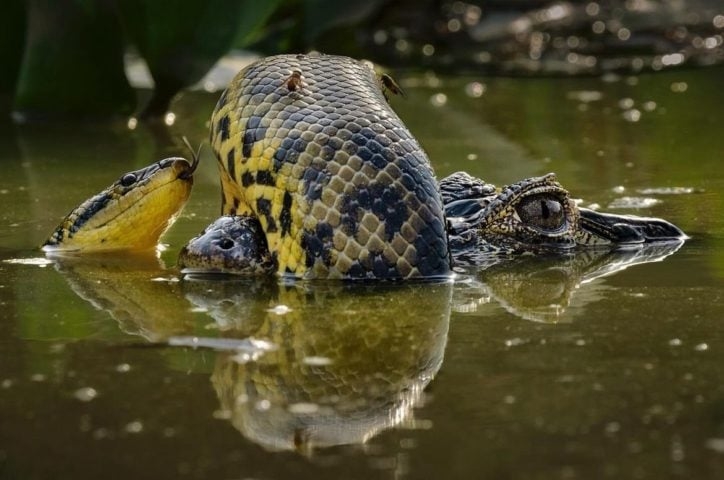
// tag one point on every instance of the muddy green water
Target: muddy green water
(591, 367)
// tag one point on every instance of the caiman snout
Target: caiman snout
(627, 229)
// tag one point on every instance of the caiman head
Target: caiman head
(537, 215)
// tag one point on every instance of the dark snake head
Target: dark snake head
(231, 244)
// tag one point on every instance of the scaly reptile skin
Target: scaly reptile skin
(321, 179)
(131, 214)
(309, 146)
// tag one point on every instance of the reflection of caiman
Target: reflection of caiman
(541, 288)
(321, 179)
(305, 365)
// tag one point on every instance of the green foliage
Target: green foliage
(321, 16)
(181, 40)
(12, 22)
(73, 62)
(80, 45)
(253, 20)
(301, 25)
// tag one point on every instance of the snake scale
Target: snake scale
(309, 145)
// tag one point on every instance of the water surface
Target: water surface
(590, 367)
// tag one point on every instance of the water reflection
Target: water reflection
(309, 365)
(541, 289)
(350, 361)
(135, 290)
(343, 363)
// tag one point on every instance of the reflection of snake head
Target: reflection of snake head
(131, 214)
(349, 362)
(131, 289)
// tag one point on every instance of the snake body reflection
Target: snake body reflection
(346, 361)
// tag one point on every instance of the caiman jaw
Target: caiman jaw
(623, 230)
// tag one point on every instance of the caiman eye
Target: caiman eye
(542, 211)
(128, 179)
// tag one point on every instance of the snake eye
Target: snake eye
(542, 211)
(226, 243)
(128, 179)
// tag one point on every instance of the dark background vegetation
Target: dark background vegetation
(65, 58)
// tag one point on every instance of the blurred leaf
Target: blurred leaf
(253, 19)
(77, 44)
(12, 22)
(322, 15)
(181, 40)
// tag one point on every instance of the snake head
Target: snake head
(130, 214)
(231, 244)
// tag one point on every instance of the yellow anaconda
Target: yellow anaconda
(309, 146)
(131, 213)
